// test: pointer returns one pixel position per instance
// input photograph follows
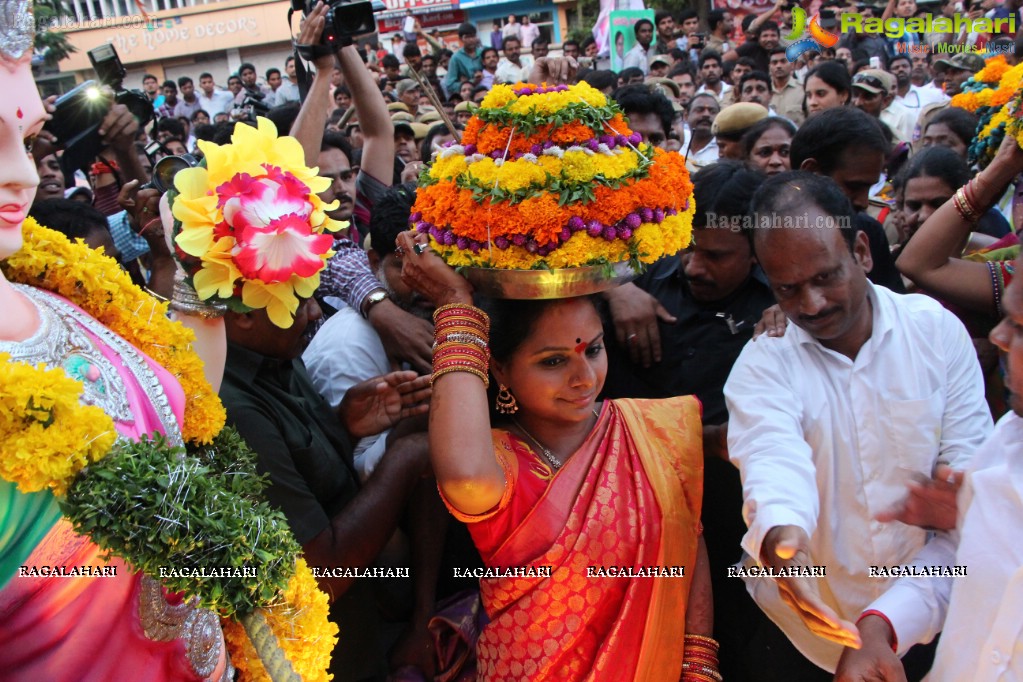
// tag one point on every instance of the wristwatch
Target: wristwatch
(374, 297)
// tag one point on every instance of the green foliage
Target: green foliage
(157, 506)
(53, 44)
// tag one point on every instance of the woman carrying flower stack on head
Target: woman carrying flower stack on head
(553, 478)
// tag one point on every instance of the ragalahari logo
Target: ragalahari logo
(816, 42)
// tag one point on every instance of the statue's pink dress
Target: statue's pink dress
(121, 627)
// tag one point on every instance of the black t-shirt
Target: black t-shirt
(699, 350)
(884, 272)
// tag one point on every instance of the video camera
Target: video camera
(80, 111)
(345, 21)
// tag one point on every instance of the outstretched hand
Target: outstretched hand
(310, 31)
(553, 70)
(375, 405)
(786, 546)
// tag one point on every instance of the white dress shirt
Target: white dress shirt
(825, 443)
(983, 634)
(217, 103)
(507, 72)
(345, 351)
(639, 57)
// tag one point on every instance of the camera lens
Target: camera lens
(167, 167)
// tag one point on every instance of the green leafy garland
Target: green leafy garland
(160, 506)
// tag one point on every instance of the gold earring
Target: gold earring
(506, 403)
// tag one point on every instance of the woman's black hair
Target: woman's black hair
(834, 74)
(426, 147)
(513, 321)
(935, 162)
(960, 121)
(760, 127)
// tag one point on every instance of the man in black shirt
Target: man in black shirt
(306, 448)
(848, 146)
(716, 293)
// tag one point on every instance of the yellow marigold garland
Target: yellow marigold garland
(95, 283)
(303, 632)
(32, 400)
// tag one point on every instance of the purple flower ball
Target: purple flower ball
(566, 234)
(470, 149)
(609, 140)
(610, 233)
(474, 247)
(449, 239)
(536, 149)
(497, 154)
(435, 232)
(422, 227)
(646, 214)
(625, 232)
(501, 242)
(518, 239)
(548, 144)
(633, 221)
(416, 217)
(621, 140)
(658, 215)
(462, 243)
(531, 246)
(593, 144)
(575, 223)
(543, 251)
(594, 228)
(671, 211)
(635, 138)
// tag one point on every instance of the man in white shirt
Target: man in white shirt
(528, 31)
(513, 67)
(212, 100)
(640, 54)
(826, 424)
(873, 91)
(288, 92)
(346, 350)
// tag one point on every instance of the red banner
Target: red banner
(443, 18)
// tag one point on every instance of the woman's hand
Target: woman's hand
(423, 270)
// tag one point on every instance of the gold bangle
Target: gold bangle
(186, 301)
(460, 368)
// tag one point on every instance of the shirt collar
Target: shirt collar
(248, 365)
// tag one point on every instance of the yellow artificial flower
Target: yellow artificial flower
(219, 273)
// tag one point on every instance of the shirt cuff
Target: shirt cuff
(900, 605)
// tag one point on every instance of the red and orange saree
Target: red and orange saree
(630, 497)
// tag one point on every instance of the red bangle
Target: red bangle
(875, 612)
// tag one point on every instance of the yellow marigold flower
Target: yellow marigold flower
(499, 96)
(577, 167)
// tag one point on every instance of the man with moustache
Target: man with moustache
(824, 424)
(701, 149)
(787, 92)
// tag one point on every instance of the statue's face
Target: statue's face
(21, 117)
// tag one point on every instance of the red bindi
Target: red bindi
(19, 113)
(581, 346)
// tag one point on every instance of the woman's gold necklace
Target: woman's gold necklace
(547, 454)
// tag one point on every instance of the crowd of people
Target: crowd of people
(850, 358)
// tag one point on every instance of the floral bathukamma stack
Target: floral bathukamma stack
(551, 177)
(986, 94)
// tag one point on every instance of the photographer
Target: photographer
(405, 337)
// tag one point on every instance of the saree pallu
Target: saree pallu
(629, 497)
